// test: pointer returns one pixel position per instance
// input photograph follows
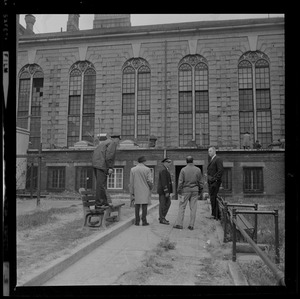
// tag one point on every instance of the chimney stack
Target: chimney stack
(30, 20)
(111, 21)
(73, 23)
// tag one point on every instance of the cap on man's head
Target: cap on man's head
(142, 159)
(115, 136)
(166, 160)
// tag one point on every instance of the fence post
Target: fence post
(277, 257)
(233, 235)
(225, 221)
(255, 224)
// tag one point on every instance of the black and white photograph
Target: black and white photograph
(150, 150)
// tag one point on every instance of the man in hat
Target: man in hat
(214, 180)
(190, 186)
(164, 190)
(103, 161)
(140, 189)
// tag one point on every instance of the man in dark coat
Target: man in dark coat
(103, 163)
(214, 180)
(164, 189)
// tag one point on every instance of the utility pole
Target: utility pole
(39, 177)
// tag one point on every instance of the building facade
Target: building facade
(168, 89)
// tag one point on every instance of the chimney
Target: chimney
(73, 23)
(30, 20)
(111, 21)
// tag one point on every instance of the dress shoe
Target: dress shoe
(145, 224)
(137, 224)
(190, 228)
(164, 221)
(178, 226)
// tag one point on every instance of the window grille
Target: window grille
(115, 180)
(254, 97)
(136, 86)
(253, 179)
(193, 100)
(84, 177)
(31, 81)
(81, 112)
(56, 178)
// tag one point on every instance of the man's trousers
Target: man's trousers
(213, 189)
(164, 205)
(192, 198)
(101, 181)
(137, 213)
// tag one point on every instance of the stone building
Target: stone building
(170, 90)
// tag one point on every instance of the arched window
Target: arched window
(31, 81)
(254, 97)
(81, 112)
(136, 84)
(193, 100)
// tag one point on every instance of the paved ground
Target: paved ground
(125, 251)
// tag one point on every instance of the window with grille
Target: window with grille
(115, 180)
(31, 177)
(253, 179)
(254, 97)
(31, 81)
(81, 112)
(136, 84)
(84, 177)
(193, 100)
(227, 179)
(56, 178)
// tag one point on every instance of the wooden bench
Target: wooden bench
(104, 214)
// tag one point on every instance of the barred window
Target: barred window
(31, 177)
(56, 178)
(227, 179)
(31, 81)
(136, 85)
(253, 179)
(193, 100)
(254, 97)
(115, 180)
(84, 177)
(81, 113)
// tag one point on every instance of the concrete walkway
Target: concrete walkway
(125, 251)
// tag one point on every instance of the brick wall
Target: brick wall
(272, 163)
(222, 49)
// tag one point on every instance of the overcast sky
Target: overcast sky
(57, 22)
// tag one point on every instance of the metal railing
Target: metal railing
(279, 275)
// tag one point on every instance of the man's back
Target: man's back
(190, 179)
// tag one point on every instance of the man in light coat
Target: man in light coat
(190, 186)
(140, 189)
(103, 161)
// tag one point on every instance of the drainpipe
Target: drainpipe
(165, 98)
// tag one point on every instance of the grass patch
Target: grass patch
(258, 273)
(40, 218)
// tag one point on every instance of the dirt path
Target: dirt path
(197, 259)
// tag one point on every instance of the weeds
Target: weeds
(258, 273)
(166, 244)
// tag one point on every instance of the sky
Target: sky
(46, 23)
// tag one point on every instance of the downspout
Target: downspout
(254, 103)
(165, 99)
